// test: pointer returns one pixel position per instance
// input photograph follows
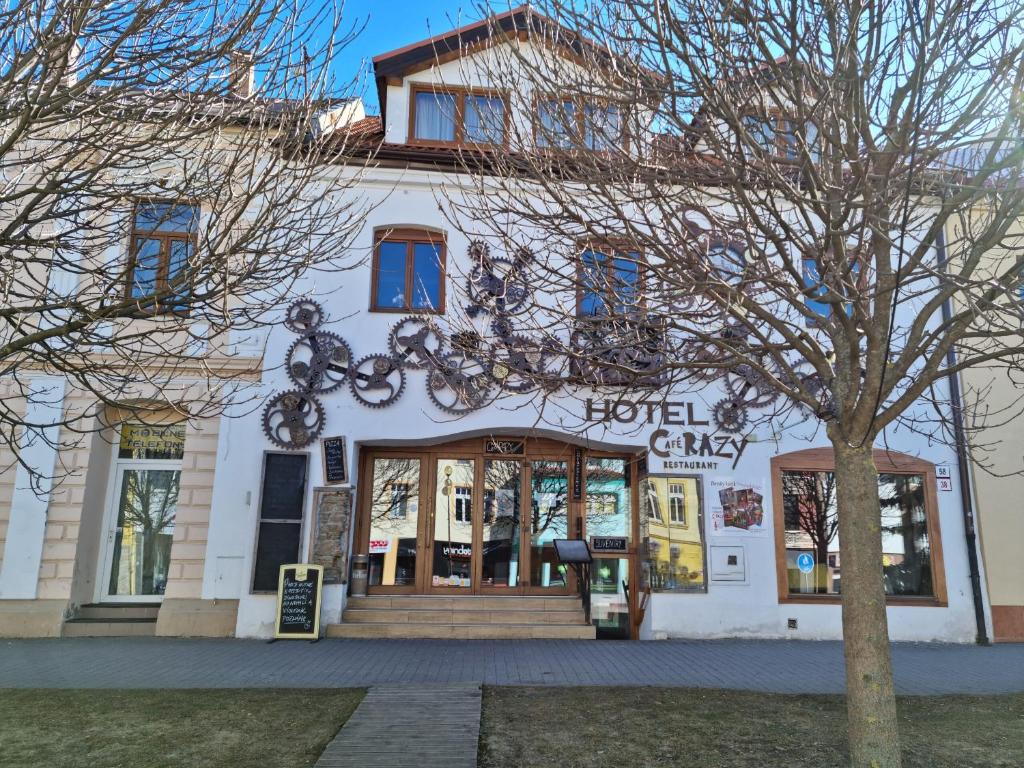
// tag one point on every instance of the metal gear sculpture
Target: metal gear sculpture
(293, 419)
(619, 352)
(304, 316)
(749, 386)
(730, 416)
(460, 383)
(377, 381)
(415, 342)
(520, 364)
(498, 286)
(319, 362)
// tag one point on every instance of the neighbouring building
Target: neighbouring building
(381, 440)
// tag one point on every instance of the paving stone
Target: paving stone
(787, 666)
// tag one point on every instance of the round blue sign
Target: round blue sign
(805, 562)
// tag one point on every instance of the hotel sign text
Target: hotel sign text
(666, 444)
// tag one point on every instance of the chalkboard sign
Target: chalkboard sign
(335, 468)
(609, 543)
(298, 602)
(572, 551)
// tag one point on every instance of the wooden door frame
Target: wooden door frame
(534, 449)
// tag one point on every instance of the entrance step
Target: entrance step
(464, 617)
(113, 620)
(118, 611)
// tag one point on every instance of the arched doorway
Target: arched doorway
(479, 516)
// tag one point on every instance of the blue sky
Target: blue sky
(390, 25)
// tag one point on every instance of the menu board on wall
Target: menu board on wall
(335, 466)
(298, 602)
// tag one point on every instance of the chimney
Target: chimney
(243, 74)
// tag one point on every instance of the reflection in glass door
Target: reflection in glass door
(549, 520)
(141, 553)
(141, 512)
(502, 491)
(453, 524)
(394, 516)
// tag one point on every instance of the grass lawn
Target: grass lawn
(150, 729)
(617, 727)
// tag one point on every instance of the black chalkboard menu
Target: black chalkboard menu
(298, 602)
(335, 469)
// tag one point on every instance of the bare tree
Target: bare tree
(817, 202)
(162, 186)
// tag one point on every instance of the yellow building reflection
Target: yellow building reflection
(671, 525)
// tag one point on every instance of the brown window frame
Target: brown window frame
(163, 268)
(886, 462)
(460, 93)
(410, 237)
(577, 140)
(610, 249)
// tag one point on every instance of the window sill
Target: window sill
(430, 144)
(903, 600)
(406, 311)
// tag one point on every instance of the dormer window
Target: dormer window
(457, 116)
(778, 135)
(564, 124)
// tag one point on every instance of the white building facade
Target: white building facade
(388, 441)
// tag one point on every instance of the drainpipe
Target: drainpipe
(963, 466)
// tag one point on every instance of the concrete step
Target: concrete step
(109, 628)
(465, 602)
(107, 611)
(463, 631)
(461, 615)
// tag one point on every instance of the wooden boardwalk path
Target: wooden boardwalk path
(412, 726)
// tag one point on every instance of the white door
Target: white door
(142, 505)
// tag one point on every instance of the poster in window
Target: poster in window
(737, 507)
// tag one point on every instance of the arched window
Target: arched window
(408, 271)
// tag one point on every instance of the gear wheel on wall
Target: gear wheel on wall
(304, 316)
(293, 419)
(520, 364)
(415, 342)
(460, 383)
(497, 286)
(730, 416)
(748, 385)
(376, 381)
(319, 362)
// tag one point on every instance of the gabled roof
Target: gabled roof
(425, 53)
(522, 22)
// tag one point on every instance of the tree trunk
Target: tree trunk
(870, 696)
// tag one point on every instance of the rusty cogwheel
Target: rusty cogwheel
(304, 316)
(293, 419)
(377, 381)
(415, 342)
(319, 362)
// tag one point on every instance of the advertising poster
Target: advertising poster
(737, 507)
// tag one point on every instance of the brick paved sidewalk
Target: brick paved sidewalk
(759, 665)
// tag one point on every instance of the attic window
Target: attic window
(564, 124)
(457, 117)
(779, 135)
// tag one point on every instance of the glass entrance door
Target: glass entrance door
(141, 512)
(456, 518)
(147, 502)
